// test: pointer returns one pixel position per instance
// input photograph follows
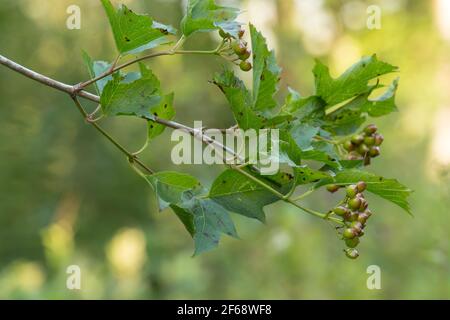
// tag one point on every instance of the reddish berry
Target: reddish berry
(245, 66)
(374, 152)
(362, 218)
(379, 139)
(351, 253)
(239, 48)
(361, 186)
(333, 188)
(370, 129)
(245, 55)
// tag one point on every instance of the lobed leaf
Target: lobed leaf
(135, 33)
(206, 15)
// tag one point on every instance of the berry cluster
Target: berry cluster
(240, 49)
(355, 213)
(365, 145)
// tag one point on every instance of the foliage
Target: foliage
(314, 130)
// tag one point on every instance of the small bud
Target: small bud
(368, 212)
(241, 33)
(351, 253)
(370, 129)
(353, 156)
(379, 139)
(374, 152)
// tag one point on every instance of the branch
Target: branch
(74, 91)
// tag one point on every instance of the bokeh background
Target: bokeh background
(67, 197)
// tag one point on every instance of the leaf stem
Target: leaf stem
(132, 158)
(285, 198)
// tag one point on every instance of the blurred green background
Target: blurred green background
(67, 197)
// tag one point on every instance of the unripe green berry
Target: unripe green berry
(369, 141)
(245, 66)
(363, 149)
(349, 146)
(370, 129)
(361, 186)
(333, 188)
(245, 55)
(357, 227)
(378, 139)
(352, 243)
(374, 152)
(362, 218)
(351, 253)
(357, 139)
(239, 48)
(354, 203)
(351, 191)
(340, 211)
(353, 216)
(349, 233)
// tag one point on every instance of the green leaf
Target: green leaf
(97, 68)
(310, 109)
(349, 117)
(141, 97)
(384, 104)
(266, 73)
(306, 175)
(164, 110)
(206, 15)
(135, 33)
(170, 187)
(303, 135)
(206, 221)
(237, 193)
(353, 82)
(389, 189)
(240, 100)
